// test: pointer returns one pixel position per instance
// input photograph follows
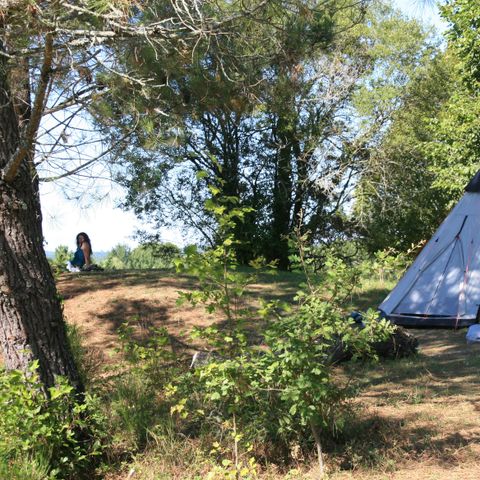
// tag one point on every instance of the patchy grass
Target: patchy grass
(419, 417)
(416, 418)
(370, 294)
(99, 302)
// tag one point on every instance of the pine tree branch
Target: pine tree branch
(83, 166)
(26, 143)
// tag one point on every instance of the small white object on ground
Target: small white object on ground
(473, 334)
(72, 268)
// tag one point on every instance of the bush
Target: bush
(54, 434)
(147, 256)
(281, 392)
(154, 255)
(254, 396)
(117, 258)
(61, 256)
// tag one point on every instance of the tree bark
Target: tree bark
(282, 195)
(31, 319)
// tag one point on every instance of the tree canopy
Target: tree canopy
(55, 58)
(286, 131)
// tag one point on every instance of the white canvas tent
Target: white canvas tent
(442, 287)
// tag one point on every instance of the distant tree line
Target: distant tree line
(121, 257)
(150, 255)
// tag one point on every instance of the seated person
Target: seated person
(82, 257)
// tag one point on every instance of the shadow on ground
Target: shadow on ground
(445, 366)
(418, 409)
(75, 284)
(381, 442)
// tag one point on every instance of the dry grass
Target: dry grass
(98, 303)
(418, 418)
(422, 414)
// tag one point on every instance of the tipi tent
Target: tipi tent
(442, 287)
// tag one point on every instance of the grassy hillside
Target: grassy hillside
(415, 418)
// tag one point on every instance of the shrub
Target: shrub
(154, 255)
(147, 256)
(282, 391)
(61, 256)
(55, 433)
(260, 395)
(117, 258)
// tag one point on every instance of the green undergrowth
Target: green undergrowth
(46, 435)
(270, 405)
(246, 411)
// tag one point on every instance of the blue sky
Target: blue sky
(424, 10)
(108, 226)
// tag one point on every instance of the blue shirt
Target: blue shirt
(79, 258)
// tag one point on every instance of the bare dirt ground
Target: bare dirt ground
(98, 303)
(420, 416)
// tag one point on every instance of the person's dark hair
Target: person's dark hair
(87, 239)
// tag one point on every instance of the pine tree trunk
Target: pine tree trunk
(31, 320)
(282, 196)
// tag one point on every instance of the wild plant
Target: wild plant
(56, 434)
(280, 391)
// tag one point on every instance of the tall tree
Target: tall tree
(52, 55)
(258, 131)
(397, 204)
(32, 326)
(280, 123)
(454, 151)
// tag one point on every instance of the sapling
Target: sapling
(281, 388)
